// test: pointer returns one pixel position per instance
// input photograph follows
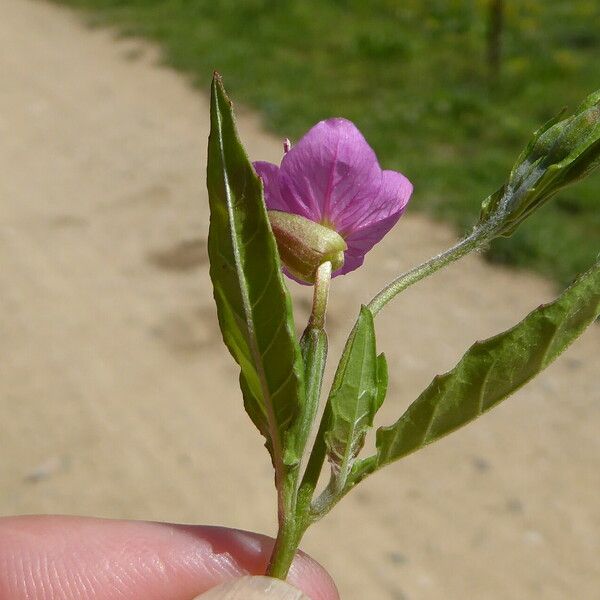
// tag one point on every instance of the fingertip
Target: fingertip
(308, 575)
(254, 588)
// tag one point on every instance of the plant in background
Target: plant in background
(315, 217)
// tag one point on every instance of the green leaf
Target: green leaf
(488, 373)
(253, 303)
(356, 395)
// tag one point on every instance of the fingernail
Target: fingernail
(253, 588)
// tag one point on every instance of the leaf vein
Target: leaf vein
(272, 340)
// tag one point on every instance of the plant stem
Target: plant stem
(286, 546)
(288, 535)
(330, 496)
(313, 346)
(297, 513)
(293, 516)
(314, 466)
(479, 237)
(320, 296)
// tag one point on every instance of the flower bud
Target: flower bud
(305, 245)
(560, 153)
(566, 137)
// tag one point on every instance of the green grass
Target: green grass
(412, 75)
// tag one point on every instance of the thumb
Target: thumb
(253, 588)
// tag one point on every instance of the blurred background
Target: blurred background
(448, 90)
(117, 397)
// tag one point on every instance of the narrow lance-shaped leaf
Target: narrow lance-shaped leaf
(253, 303)
(488, 373)
(356, 395)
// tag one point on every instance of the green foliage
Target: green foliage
(281, 379)
(253, 304)
(356, 395)
(413, 77)
(489, 372)
(560, 153)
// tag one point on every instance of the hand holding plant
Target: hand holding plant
(315, 217)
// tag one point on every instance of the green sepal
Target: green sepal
(305, 245)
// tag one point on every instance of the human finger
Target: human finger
(61, 558)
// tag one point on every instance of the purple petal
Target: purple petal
(269, 173)
(294, 278)
(351, 263)
(361, 241)
(386, 211)
(392, 199)
(332, 169)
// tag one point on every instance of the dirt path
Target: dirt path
(118, 399)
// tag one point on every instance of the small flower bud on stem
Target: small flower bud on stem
(305, 245)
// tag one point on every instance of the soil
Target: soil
(118, 399)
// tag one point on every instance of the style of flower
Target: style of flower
(332, 177)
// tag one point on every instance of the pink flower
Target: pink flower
(332, 177)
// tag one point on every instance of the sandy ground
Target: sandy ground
(118, 399)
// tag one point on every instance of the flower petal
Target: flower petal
(330, 170)
(393, 197)
(269, 173)
(351, 263)
(386, 211)
(361, 241)
(294, 278)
